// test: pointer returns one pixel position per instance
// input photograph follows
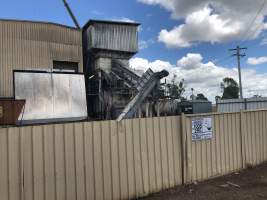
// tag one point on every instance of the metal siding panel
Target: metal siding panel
(89, 160)
(151, 156)
(265, 135)
(98, 167)
(198, 161)
(218, 156)
(176, 134)
(122, 160)
(222, 143)
(230, 141)
(106, 159)
(261, 141)
(137, 158)
(79, 161)
(116, 184)
(60, 167)
(28, 45)
(70, 172)
(169, 140)
(4, 164)
(130, 158)
(112, 37)
(204, 160)
(253, 135)
(217, 145)
(214, 154)
(188, 157)
(209, 155)
(257, 138)
(27, 162)
(49, 170)
(38, 165)
(163, 149)
(250, 152)
(58, 158)
(144, 155)
(157, 149)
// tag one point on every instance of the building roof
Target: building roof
(90, 22)
(38, 22)
(94, 21)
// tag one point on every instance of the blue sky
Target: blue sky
(158, 15)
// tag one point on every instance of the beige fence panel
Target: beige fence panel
(255, 137)
(130, 159)
(90, 160)
(218, 156)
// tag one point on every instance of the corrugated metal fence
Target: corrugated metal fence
(133, 158)
(98, 160)
(235, 105)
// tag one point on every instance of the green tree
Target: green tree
(230, 88)
(176, 88)
(201, 96)
(217, 98)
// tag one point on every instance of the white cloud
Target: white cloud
(191, 61)
(123, 19)
(210, 21)
(263, 41)
(143, 44)
(205, 77)
(257, 61)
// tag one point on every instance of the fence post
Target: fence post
(242, 129)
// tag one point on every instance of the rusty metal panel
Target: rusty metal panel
(51, 96)
(34, 45)
(10, 110)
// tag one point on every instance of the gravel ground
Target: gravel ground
(247, 184)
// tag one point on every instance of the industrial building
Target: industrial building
(43, 63)
(64, 73)
(36, 45)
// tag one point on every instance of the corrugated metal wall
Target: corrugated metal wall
(254, 126)
(235, 105)
(117, 37)
(133, 158)
(217, 156)
(98, 160)
(30, 45)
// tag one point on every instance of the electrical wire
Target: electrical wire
(246, 34)
(223, 60)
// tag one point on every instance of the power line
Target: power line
(223, 60)
(238, 55)
(246, 33)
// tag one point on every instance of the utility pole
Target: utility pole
(238, 55)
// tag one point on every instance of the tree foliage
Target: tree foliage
(176, 88)
(201, 96)
(230, 88)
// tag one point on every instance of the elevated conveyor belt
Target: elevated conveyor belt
(125, 72)
(145, 85)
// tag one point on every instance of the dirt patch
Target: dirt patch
(248, 184)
